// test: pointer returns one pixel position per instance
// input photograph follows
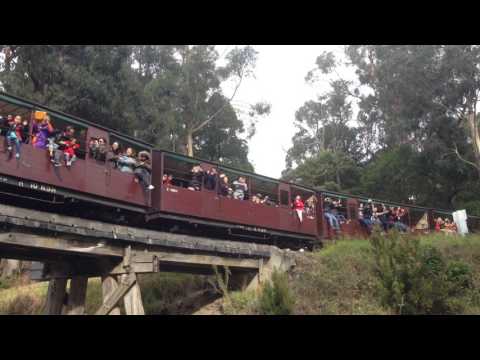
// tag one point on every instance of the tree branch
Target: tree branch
(211, 117)
(464, 160)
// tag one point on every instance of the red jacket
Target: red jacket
(298, 205)
(70, 148)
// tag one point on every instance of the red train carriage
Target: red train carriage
(116, 195)
(95, 189)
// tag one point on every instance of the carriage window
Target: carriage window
(177, 171)
(264, 191)
(284, 198)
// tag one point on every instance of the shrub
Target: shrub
(276, 297)
(416, 279)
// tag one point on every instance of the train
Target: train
(95, 189)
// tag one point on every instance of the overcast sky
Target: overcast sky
(279, 80)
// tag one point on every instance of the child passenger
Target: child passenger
(240, 188)
(70, 147)
(14, 135)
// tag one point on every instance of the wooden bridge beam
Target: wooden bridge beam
(77, 295)
(55, 296)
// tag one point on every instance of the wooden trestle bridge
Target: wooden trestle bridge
(63, 248)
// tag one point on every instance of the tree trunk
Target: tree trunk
(190, 144)
(473, 127)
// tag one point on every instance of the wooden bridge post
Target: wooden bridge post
(109, 285)
(77, 296)
(133, 299)
(55, 296)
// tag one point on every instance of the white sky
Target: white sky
(279, 80)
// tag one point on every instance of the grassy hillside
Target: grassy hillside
(343, 279)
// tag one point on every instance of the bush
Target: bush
(276, 297)
(417, 279)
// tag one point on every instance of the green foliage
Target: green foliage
(241, 303)
(276, 297)
(417, 279)
(329, 170)
(163, 94)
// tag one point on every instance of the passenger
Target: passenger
(439, 224)
(240, 187)
(379, 214)
(14, 136)
(331, 218)
(41, 132)
(114, 154)
(167, 180)
(310, 205)
(143, 171)
(266, 200)
(366, 219)
(255, 199)
(126, 162)
(337, 211)
(5, 124)
(101, 153)
(400, 215)
(224, 188)
(57, 146)
(262, 199)
(211, 179)
(25, 132)
(93, 147)
(390, 217)
(299, 207)
(197, 178)
(71, 146)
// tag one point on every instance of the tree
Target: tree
(415, 86)
(185, 109)
(90, 81)
(325, 148)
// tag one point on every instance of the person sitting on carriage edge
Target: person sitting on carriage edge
(14, 136)
(41, 132)
(197, 178)
(58, 146)
(329, 207)
(69, 151)
(143, 171)
(299, 207)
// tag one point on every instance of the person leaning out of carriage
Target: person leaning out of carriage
(299, 207)
(143, 170)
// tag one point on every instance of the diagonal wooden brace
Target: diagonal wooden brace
(126, 284)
